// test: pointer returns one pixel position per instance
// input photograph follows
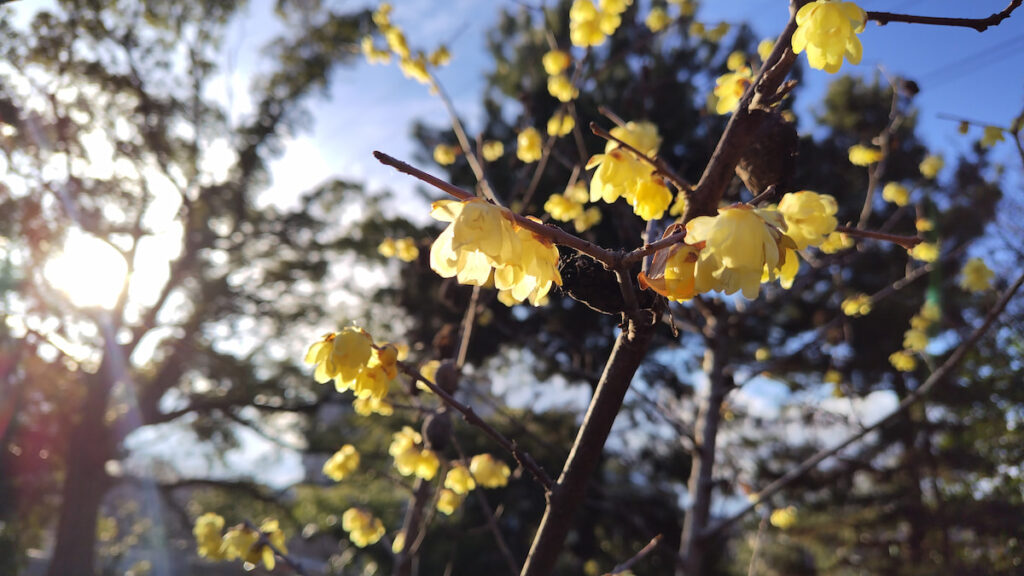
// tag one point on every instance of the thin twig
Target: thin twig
(463, 138)
(638, 556)
(467, 327)
(524, 459)
(979, 24)
(937, 376)
(907, 242)
(656, 162)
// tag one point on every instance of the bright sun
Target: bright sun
(91, 272)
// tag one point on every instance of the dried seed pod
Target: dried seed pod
(437, 429)
(447, 377)
(587, 281)
(770, 159)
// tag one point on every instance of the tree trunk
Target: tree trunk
(701, 483)
(85, 481)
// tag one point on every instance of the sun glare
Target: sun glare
(91, 272)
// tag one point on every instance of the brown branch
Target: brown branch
(460, 135)
(907, 242)
(979, 24)
(937, 376)
(648, 249)
(563, 501)
(555, 234)
(639, 556)
(524, 459)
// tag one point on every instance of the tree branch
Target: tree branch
(979, 24)
(937, 376)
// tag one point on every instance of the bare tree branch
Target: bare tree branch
(979, 24)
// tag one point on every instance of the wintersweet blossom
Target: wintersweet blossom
(561, 124)
(925, 252)
(492, 150)
(560, 86)
(488, 471)
(915, 340)
(585, 24)
(739, 243)
(563, 208)
(672, 273)
(931, 165)
(448, 501)
(342, 463)
(784, 518)
(651, 198)
(857, 305)
(737, 60)
(861, 155)
(209, 540)
(729, 88)
(362, 527)
(459, 479)
(828, 30)
(764, 48)
(809, 216)
(657, 19)
(976, 276)
(836, 242)
(896, 193)
(340, 355)
(555, 62)
(993, 134)
(444, 154)
(903, 361)
(529, 145)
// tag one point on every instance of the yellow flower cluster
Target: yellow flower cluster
(925, 252)
(896, 193)
(836, 242)
(413, 65)
(351, 359)
(459, 480)
(857, 305)
(620, 173)
(482, 242)
(343, 463)
(410, 458)
(993, 134)
(402, 248)
(362, 527)
(556, 62)
(783, 518)
(561, 87)
(448, 501)
(742, 247)
(529, 145)
(569, 207)
(729, 89)
(915, 339)
(240, 542)
(861, 155)
(590, 24)
(976, 276)
(561, 124)
(488, 471)
(828, 30)
(657, 19)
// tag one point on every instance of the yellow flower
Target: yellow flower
(370, 405)
(931, 312)
(372, 53)
(657, 20)
(492, 150)
(679, 206)
(561, 124)
(585, 24)
(445, 154)
(562, 208)
(618, 173)
(448, 501)
(556, 61)
(903, 361)
(478, 237)
(718, 32)
(406, 250)
(577, 193)
(382, 15)
(833, 376)
(207, 531)
(489, 472)
(696, 29)
(415, 68)
(827, 30)
(809, 216)
(459, 480)
(736, 61)
(398, 544)
(740, 243)
(363, 529)
(396, 41)
(340, 355)
(342, 463)
(729, 89)
(915, 340)
(835, 242)
(440, 57)
(783, 518)
(925, 252)
(590, 217)
(561, 87)
(896, 193)
(427, 464)
(787, 271)
(976, 276)
(992, 135)
(533, 273)
(240, 542)
(672, 273)
(528, 145)
(651, 199)
(762, 354)
(764, 49)
(864, 155)
(858, 305)
(429, 372)
(640, 135)
(924, 225)
(387, 247)
(931, 165)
